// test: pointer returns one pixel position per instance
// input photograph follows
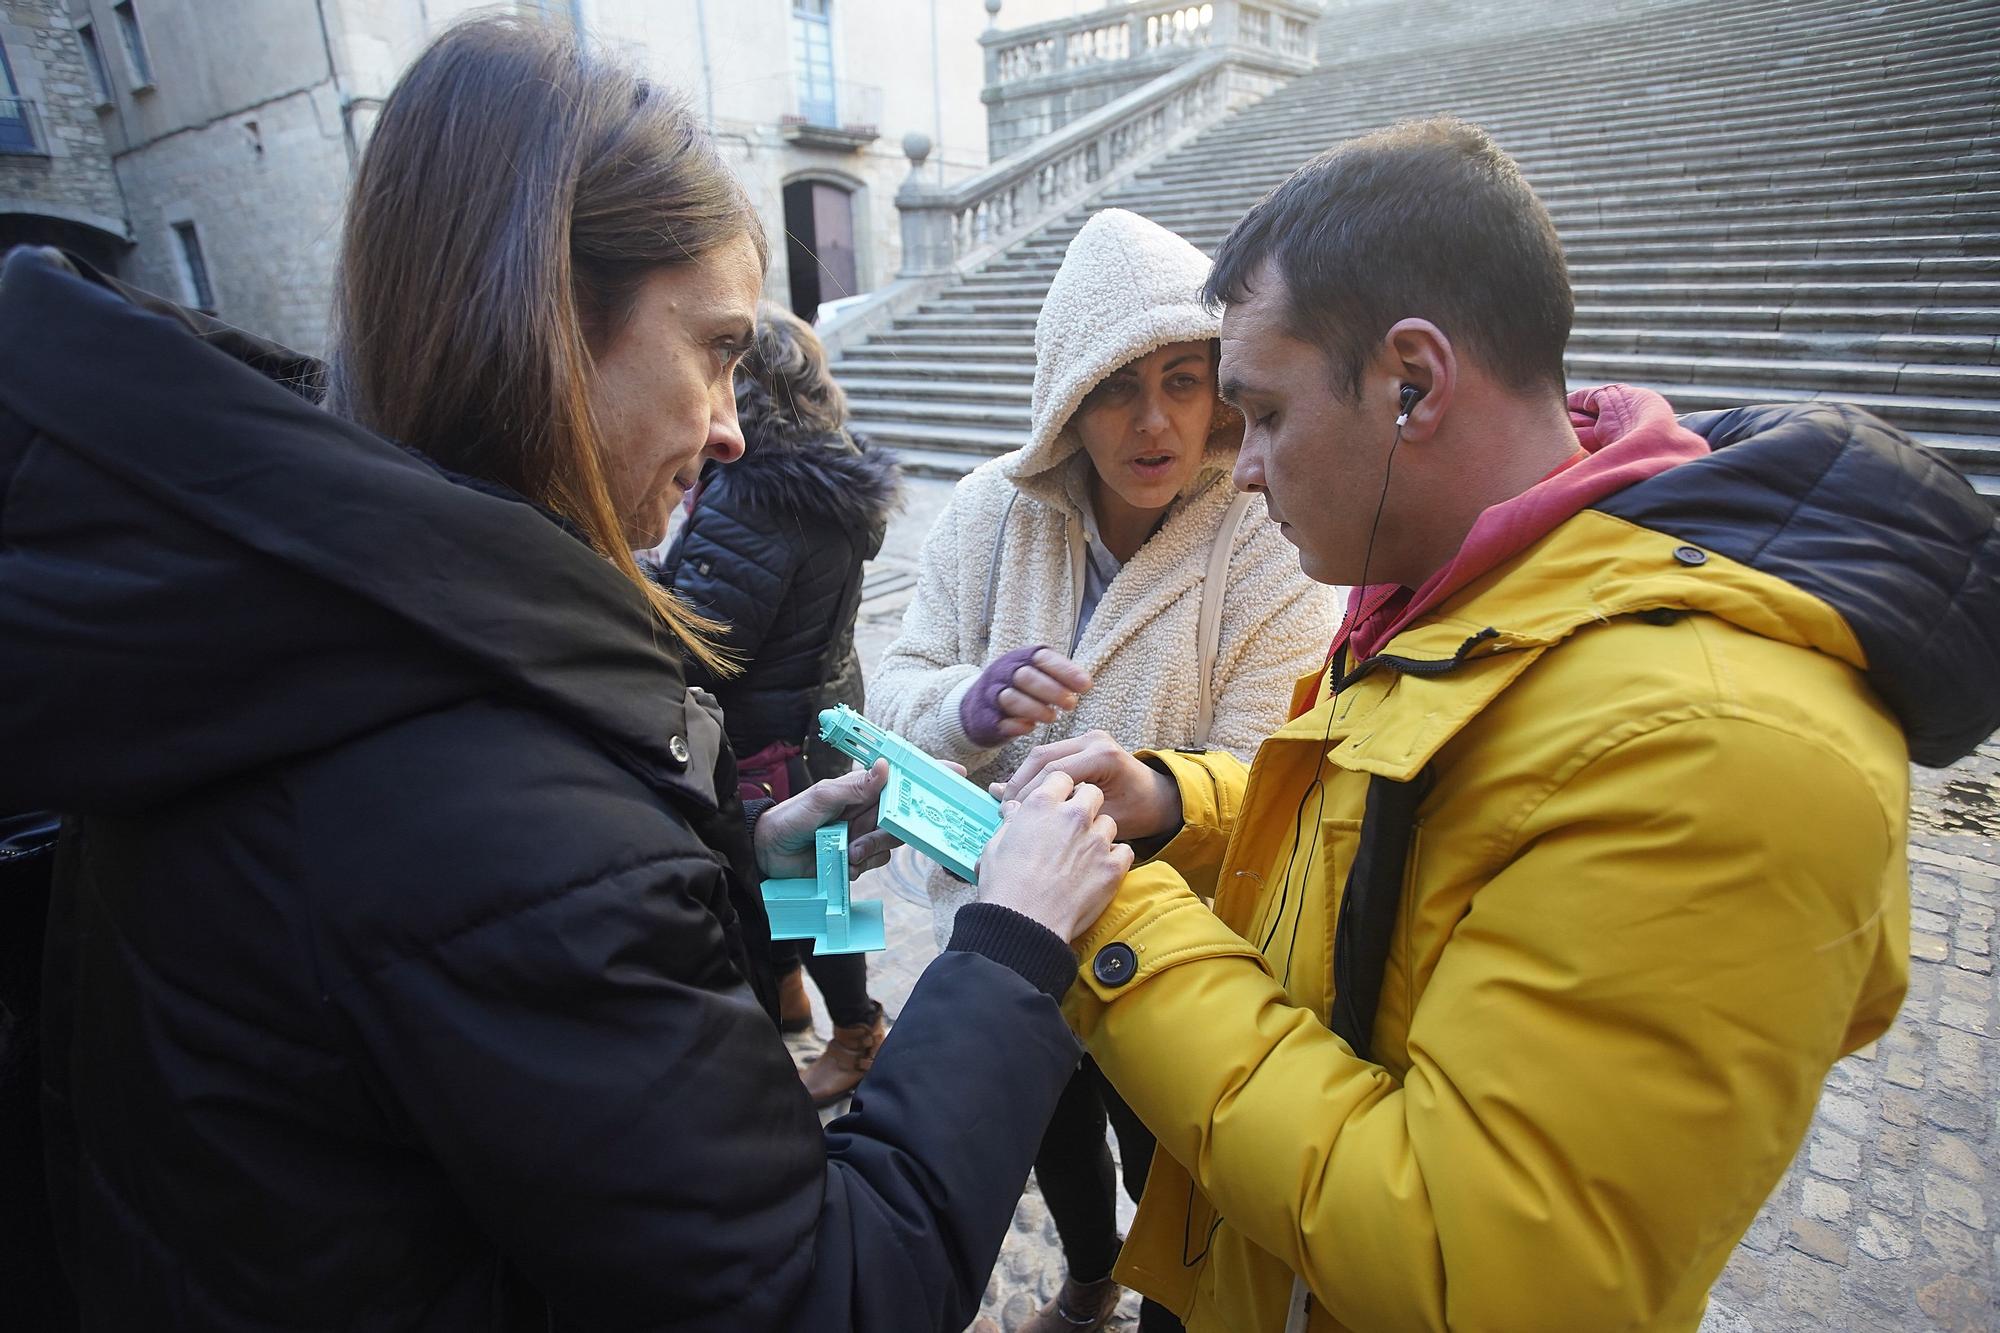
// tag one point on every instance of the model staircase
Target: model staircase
(1759, 203)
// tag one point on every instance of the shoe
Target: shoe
(846, 1058)
(1080, 1307)
(795, 1009)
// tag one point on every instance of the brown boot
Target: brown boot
(1080, 1307)
(795, 1009)
(846, 1058)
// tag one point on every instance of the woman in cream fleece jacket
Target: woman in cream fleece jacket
(1027, 553)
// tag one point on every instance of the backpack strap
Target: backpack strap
(1208, 628)
(1370, 905)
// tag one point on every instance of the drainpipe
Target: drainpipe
(339, 95)
(707, 78)
(937, 92)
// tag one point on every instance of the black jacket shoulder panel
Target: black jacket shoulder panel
(1847, 508)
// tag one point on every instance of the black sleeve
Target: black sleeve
(617, 1112)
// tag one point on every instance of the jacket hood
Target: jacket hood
(1127, 286)
(841, 477)
(1850, 511)
(1816, 525)
(202, 573)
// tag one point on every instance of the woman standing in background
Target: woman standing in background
(773, 550)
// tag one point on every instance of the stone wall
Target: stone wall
(264, 189)
(75, 181)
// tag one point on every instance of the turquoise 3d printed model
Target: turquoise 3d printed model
(925, 804)
(821, 909)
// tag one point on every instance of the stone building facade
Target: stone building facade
(57, 186)
(207, 155)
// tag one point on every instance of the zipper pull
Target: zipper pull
(1298, 1307)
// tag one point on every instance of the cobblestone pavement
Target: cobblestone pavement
(1887, 1220)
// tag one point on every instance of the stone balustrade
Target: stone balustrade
(1041, 77)
(1197, 62)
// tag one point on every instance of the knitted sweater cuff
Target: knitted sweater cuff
(953, 743)
(1017, 942)
(753, 810)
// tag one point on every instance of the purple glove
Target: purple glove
(979, 707)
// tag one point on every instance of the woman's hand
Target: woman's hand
(1140, 799)
(784, 833)
(1057, 859)
(1018, 692)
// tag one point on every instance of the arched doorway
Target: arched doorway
(93, 242)
(819, 244)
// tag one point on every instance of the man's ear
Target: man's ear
(1422, 359)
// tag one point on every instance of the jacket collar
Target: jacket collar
(1427, 684)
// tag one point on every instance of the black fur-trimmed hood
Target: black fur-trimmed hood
(841, 477)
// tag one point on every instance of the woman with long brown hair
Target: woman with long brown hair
(406, 963)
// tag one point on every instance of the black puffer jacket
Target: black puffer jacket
(402, 955)
(774, 549)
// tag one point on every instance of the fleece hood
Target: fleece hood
(1815, 524)
(1127, 287)
(203, 573)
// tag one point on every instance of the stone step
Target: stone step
(1678, 74)
(1705, 271)
(1631, 133)
(975, 443)
(1919, 416)
(1582, 244)
(1848, 200)
(1941, 267)
(1889, 349)
(986, 416)
(1363, 36)
(1877, 321)
(1699, 290)
(879, 383)
(1584, 199)
(861, 363)
(1956, 123)
(938, 339)
(1007, 352)
(1822, 377)
(953, 324)
(1832, 220)
(1706, 120)
(980, 307)
(1968, 453)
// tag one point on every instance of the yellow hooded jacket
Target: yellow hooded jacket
(1656, 886)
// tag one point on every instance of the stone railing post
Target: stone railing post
(927, 216)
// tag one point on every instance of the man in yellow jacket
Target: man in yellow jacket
(1498, 992)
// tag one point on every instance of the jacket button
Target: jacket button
(1115, 964)
(677, 746)
(1690, 555)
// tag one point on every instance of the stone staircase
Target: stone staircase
(1759, 203)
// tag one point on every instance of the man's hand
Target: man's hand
(1141, 800)
(784, 834)
(1056, 858)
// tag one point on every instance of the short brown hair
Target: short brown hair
(518, 189)
(1427, 219)
(785, 385)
